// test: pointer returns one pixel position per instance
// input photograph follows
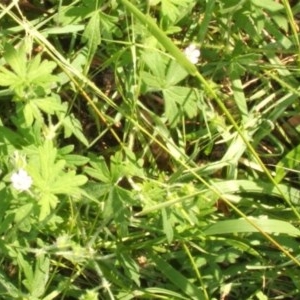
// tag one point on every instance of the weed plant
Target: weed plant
(149, 149)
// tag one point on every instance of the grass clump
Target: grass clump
(133, 171)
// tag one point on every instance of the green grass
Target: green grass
(148, 176)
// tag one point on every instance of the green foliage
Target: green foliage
(129, 172)
(163, 77)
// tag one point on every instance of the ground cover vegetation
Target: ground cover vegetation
(149, 149)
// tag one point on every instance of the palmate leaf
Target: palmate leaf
(164, 74)
(47, 203)
(99, 169)
(51, 179)
(7, 78)
(16, 59)
(108, 25)
(31, 113)
(178, 101)
(72, 126)
(153, 82)
(170, 10)
(39, 72)
(156, 63)
(174, 73)
(41, 275)
(22, 217)
(35, 280)
(26, 74)
(173, 9)
(68, 183)
(49, 105)
(116, 208)
(53, 174)
(92, 34)
(165, 71)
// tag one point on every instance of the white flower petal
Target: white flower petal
(192, 53)
(21, 181)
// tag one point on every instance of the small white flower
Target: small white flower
(21, 181)
(192, 53)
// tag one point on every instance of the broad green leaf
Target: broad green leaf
(73, 126)
(172, 111)
(174, 73)
(51, 178)
(76, 160)
(36, 280)
(23, 212)
(68, 183)
(243, 226)
(117, 167)
(91, 34)
(109, 25)
(49, 105)
(133, 166)
(116, 208)
(156, 62)
(29, 114)
(27, 270)
(68, 149)
(152, 82)
(7, 78)
(124, 165)
(164, 72)
(40, 72)
(23, 219)
(47, 202)
(47, 155)
(180, 101)
(99, 170)
(174, 9)
(95, 191)
(34, 65)
(170, 10)
(41, 275)
(35, 111)
(269, 5)
(16, 59)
